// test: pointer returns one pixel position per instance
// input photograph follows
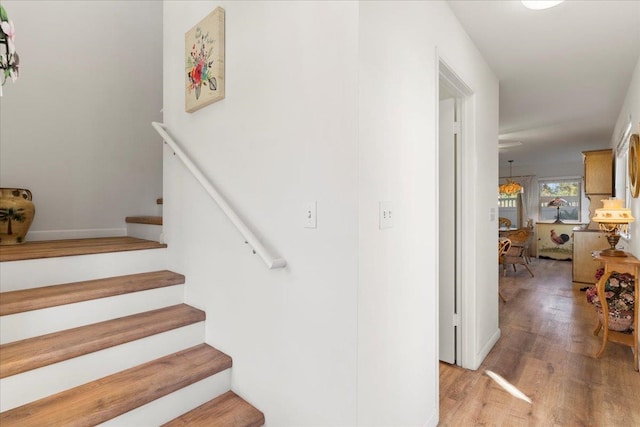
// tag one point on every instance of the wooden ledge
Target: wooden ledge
(60, 248)
(153, 220)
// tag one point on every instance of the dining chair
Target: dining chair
(518, 253)
(504, 245)
(504, 222)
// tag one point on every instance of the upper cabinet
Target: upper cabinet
(598, 171)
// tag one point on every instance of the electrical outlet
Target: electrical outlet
(386, 215)
(310, 215)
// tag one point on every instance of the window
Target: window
(568, 189)
(622, 190)
(509, 207)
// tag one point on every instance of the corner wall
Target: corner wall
(321, 104)
(398, 152)
(74, 128)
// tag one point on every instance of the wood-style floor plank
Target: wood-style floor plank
(60, 248)
(21, 356)
(108, 397)
(226, 410)
(51, 296)
(547, 350)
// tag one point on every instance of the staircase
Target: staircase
(148, 227)
(94, 331)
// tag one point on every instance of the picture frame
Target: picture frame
(634, 165)
(204, 62)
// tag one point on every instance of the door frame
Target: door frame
(466, 242)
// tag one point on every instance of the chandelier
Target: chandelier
(510, 187)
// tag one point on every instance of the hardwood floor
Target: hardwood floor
(547, 350)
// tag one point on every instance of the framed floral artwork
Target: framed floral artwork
(204, 62)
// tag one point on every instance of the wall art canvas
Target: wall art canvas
(204, 62)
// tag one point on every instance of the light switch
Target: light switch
(386, 214)
(310, 218)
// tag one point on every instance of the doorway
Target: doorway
(448, 207)
(453, 97)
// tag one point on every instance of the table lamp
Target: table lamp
(613, 219)
(557, 203)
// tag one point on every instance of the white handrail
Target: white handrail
(249, 237)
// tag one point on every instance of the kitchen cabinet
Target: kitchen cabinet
(598, 171)
(585, 242)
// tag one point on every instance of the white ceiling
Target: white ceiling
(564, 71)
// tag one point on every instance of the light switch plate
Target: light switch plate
(386, 215)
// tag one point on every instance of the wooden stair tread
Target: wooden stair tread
(111, 396)
(153, 220)
(226, 410)
(51, 296)
(70, 247)
(33, 353)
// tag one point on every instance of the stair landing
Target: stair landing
(60, 248)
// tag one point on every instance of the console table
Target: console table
(630, 265)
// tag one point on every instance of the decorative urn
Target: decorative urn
(16, 215)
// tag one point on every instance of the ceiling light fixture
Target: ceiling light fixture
(540, 4)
(510, 187)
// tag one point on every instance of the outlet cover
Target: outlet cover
(386, 215)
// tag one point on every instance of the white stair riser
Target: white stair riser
(38, 383)
(30, 324)
(27, 274)
(86, 233)
(145, 231)
(175, 404)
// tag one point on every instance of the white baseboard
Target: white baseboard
(433, 419)
(484, 351)
(34, 236)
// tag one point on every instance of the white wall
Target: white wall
(322, 105)
(286, 134)
(397, 304)
(631, 109)
(75, 127)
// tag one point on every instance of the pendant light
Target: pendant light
(510, 187)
